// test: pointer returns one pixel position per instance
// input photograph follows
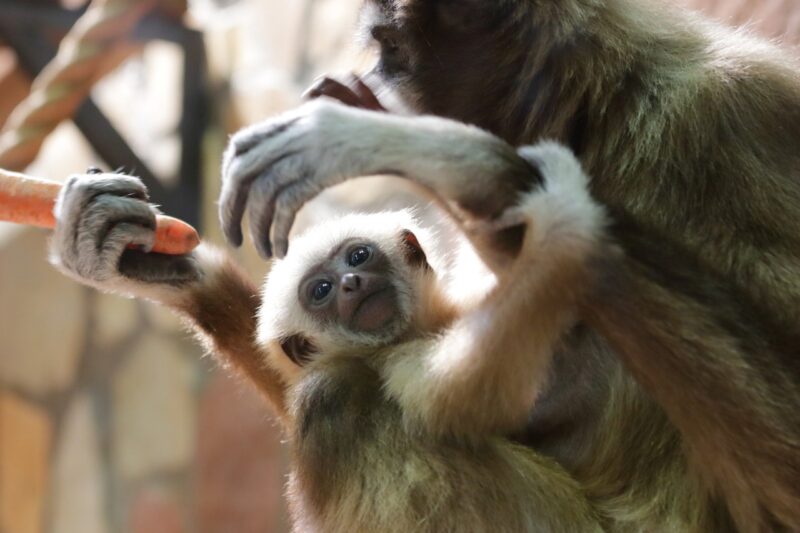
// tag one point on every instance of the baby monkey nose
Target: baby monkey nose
(350, 282)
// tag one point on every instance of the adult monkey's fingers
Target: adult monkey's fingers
(232, 203)
(333, 89)
(261, 210)
(236, 182)
(287, 204)
(365, 94)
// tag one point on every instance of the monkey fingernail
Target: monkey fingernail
(281, 248)
(266, 250)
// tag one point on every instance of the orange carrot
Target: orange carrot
(27, 200)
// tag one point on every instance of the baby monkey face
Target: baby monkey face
(352, 288)
(348, 287)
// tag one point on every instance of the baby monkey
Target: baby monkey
(398, 382)
(402, 392)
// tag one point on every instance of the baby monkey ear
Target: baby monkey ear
(414, 253)
(299, 349)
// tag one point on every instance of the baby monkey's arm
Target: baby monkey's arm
(100, 216)
(484, 373)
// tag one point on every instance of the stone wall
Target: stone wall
(111, 419)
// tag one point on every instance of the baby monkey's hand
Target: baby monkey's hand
(351, 91)
(99, 217)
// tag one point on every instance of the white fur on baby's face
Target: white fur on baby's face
(282, 314)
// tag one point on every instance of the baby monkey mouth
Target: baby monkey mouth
(374, 310)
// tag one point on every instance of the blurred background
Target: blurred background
(111, 418)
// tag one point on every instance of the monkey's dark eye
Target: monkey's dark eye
(358, 256)
(392, 55)
(384, 36)
(320, 290)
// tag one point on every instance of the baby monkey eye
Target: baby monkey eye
(358, 256)
(320, 290)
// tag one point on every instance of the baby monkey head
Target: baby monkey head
(347, 286)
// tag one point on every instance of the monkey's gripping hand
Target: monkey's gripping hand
(105, 227)
(99, 218)
(275, 167)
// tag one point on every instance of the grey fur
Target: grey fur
(105, 229)
(276, 166)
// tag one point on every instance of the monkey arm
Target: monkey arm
(100, 216)
(222, 307)
(484, 373)
(275, 167)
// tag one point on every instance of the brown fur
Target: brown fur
(691, 134)
(675, 403)
(412, 435)
(359, 468)
(222, 307)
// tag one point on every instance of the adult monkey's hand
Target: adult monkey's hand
(273, 168)
(351, 91)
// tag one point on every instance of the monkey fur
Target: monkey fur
(402, 424)
(674, 400)
(403, 427)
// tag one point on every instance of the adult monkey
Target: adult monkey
(675, 119)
